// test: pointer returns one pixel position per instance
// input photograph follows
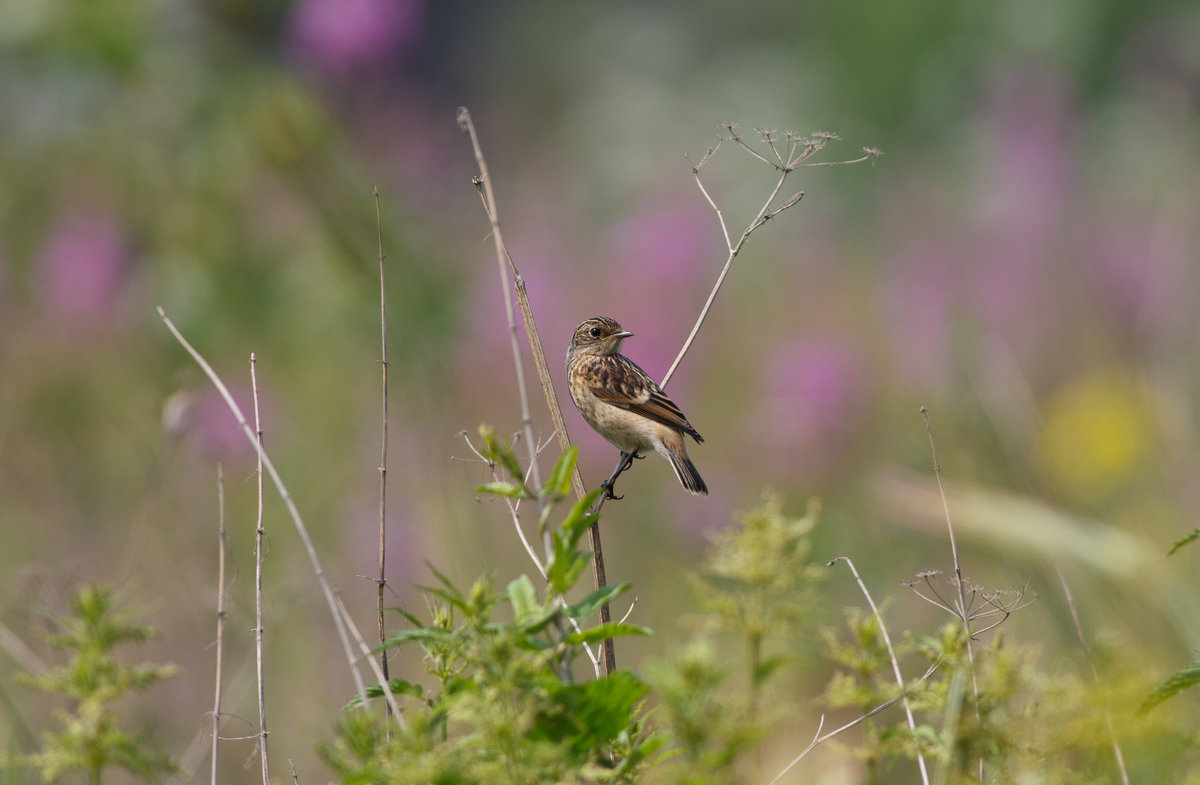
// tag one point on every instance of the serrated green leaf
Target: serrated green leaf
(605, 631)
(397, 687)
(578, 521)
(420, 635)
(566, 564)
(566, 571)
(536, 625)
(589, 604)
(501, 488)
(450, 592)
(497, 451)
(523, 598)
(412, 619)
(767, 667)
(1187, 540)
(559, 483)
(1177, 682)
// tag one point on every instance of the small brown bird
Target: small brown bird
(623, 404)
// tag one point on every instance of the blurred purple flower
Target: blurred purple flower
(1139, 273)
(213, 430)
(1023, 192)
(406, 540)
(663, 260)
(341, 37)
(82, 267)
(920, 285)
(814, 393)
(663, 244)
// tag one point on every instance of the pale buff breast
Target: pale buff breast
(622, 428)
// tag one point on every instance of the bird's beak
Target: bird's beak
(622, 334)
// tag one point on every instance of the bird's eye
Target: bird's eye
(595, 332)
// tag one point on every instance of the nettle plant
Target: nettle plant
(504, 706)
(90, 740)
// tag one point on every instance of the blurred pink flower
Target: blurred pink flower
(82, 267)
(212, 429)
(814, 391)
(1022, 197)
(1139, 273)
(664, 260)
(341, 37)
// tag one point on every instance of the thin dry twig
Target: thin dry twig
(293, 511)
(258, 594)
(383, 451)
(484, 181)
(818, 738)
(221, 540)
(484, 186)
(13, 646)
(798, 149)
(887, 640)
(1087, 651)
(980, 603)
(963, 613)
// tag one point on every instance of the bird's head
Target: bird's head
(598, 335)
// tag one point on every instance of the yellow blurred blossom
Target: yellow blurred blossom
(1096, 432)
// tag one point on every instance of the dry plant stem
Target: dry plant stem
(365, 651)
(887, 640)
(818, 738)
(258, 598)
(958, 579)
(13, 646)
(797, 152)
(733, 251)
(485, 181)
(1087, 652)
(216, 712)
(295, 776)
(383, 450)
(285, 495)
(487, 194)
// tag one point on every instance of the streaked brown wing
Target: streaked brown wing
(619, 381)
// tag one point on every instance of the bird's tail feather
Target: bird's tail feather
(689, 478)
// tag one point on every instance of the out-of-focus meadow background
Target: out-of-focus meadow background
(1021, 261)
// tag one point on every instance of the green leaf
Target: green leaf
(566, 565)
(500, 488)
(559, 483)
(449, 593)
(589, 716)
(1187, 540)
(767, 667)
(420, 635)
(589, 604)
(499, 452)
(578, 521)
(606, 631)
(1177, 682)
(523, 598)
(535, 626)
(397, 687)
(412, 619)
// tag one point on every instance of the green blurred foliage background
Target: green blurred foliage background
(1021, 261)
